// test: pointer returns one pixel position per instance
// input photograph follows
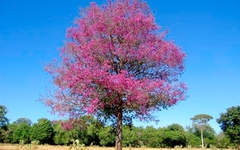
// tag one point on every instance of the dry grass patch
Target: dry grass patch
(50, 147)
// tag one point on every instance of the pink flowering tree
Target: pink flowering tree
(117, 65)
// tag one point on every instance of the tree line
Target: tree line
(90, 131)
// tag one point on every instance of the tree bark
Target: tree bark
(202, 138)
(118, 145)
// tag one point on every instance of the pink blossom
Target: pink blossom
(115, 57)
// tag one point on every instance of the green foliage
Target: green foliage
(200, 121)
(18, 130)
(42, 131)
(86, 133)
(150, 137)
(83, 135)
(8, 138)
(21, 132)
(4, 134)
(194, 136)
(130, 136)
(230, 124)
(192, 140)
(174, 136)
(93, 132)
(223, 141)
(107, 136)
(208, 132)
(61, 136)
(209, 136)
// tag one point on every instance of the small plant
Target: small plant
(21, 144)
(141, 144)
(130, 147)
(77, 146)
(213, 147)
(178, 147)
(33, 145)
(189, 147)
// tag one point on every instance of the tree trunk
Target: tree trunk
(202, 138)
(118, 145)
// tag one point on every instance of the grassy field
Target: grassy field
(49, 147)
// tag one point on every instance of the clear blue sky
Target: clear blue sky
(31, 32)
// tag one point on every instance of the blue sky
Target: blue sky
(31, 32)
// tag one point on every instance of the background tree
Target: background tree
(192, 140)
(42, 131)
(3, 123)
(93, 130)
(230, 124)
(8, 133)
(116, 65)
(209, 136)
(161, 137)
(174, 135)
(23, 120)
(3, 119)
(200, 121)
(87, 135)
(4, 134)
(223, 141)
(61, 136)
(130, 136)
(150, 137)
(21, 132)
(106, 136)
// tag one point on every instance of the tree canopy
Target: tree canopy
(23, 121)
(230, 124)
(42, 131)
(201, 120)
